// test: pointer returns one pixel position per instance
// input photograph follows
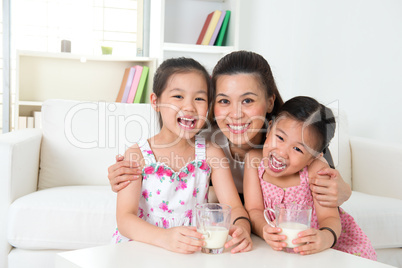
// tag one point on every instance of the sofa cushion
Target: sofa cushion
(68, 217)
(81, 139)
(379, 217)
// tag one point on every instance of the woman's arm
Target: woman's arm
(226, 193)
(121, 173)
(327, 185)
(178, 239)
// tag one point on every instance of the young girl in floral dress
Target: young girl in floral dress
(279, 174)
(176, 168)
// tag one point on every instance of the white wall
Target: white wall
(348, 51)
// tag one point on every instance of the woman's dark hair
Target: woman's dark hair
(313, 114)
(175, 66)
(246, 62)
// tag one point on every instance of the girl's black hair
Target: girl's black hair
(313, 114)
(175, 66)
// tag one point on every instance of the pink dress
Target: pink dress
(352, 239)
(168, 197)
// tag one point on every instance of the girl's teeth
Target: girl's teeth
(278, 165)
(186, 122)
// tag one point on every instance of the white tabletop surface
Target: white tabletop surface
(136, 254)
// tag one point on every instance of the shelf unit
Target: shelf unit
(176, 25)
(42, 76)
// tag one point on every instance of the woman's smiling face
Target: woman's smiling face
(241, 105)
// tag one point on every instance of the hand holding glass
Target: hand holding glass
(292, 219)
(213, 221)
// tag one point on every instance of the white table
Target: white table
(136, 254)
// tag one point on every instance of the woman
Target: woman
(245, 98)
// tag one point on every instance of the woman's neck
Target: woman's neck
(239, 151)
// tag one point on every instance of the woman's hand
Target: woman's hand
(328, 187)
(273, 238)
(122, 172)
(241, 238)
(317, 240)
(182, 240)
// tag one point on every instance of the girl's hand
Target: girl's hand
(328, 187)
(272, 237)
(241, 237)
(183, 240)
(122, 172)
(318, 240)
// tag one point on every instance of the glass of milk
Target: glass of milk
(213, 221)
(291, 218)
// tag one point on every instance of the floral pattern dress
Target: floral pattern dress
(168, 197)
(352, 239)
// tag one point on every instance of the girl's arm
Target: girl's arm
(178, 239)
(226, 193)
(327, 185)
(254, 203)
(319, 240)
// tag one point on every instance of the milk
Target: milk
(291, 229)
(215, 236)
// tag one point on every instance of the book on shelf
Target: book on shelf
(30, 122)
(128, 84)
(141, 85)
(217, 29)
(123, 85)
(204, 28)
(134, 85)
(211, 27)
(222, 33)
(37, 119)
(22, 122)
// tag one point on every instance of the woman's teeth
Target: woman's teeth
(239, 127)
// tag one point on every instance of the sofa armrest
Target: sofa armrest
(376, 167)
(19, 165)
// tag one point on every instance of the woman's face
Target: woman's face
(240, 108)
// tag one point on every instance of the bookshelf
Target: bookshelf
(176, 25)
(42, 76)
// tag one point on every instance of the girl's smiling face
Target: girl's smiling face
(289, 147)
(183, 104)
(240, 108)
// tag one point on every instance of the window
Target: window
(41, 25)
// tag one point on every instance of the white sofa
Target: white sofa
(55, 195)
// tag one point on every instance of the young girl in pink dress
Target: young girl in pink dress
(279, 174)
(176, 167)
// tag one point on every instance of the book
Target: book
(217, 28)
(222, 32)
(30, 122)
(123, 85)
(141, 85)
(37, 119)
(128, 85)
(22, 122)
(211, 27)
(134, 85)
(204, 28)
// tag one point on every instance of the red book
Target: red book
(204, 28)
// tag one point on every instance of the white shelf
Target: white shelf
(42, 76)
(176, 25)
(197, 48)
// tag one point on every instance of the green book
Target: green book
(222, 32)
(141, 85)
